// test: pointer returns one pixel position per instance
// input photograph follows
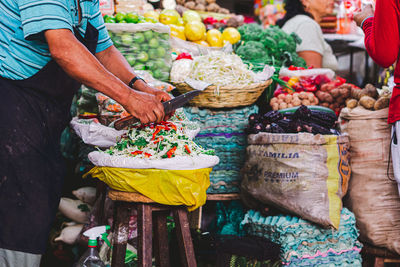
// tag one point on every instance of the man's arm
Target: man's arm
(115, 62)
(81, 65)
(382, 38)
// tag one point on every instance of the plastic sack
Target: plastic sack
(301, 173)
(330, 74)
(146, 46)
(168, 187)
(181, 46)
(93, 133)
(176, 163)
(373, 196)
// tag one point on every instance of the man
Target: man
(47, 49)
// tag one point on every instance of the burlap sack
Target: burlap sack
(372, 196)
(303, 173)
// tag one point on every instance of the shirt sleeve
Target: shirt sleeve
(97, 21)
(40, 15)
(311, 39)
(382, 33)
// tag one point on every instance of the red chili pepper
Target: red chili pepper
(184, 56)
(147, 155)
(171, 152)
(159, 139)
(187, 149)
(173, 126)
(137, 152)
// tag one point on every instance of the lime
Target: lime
(127, 38)
(135, 47)
(139, 66)
(164, 76)
(142, 56)
(138, 38)
(165, 36)
(160, 63)
(145, 47)
(119, 17)
(151, 20)
(154, 43)
(131, 18)
(131, 59)
(161, 51)
(150, 65)
(148, 35)
(157, 74)
(153, 53)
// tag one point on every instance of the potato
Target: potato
(340, 100)
(201, 2)
(282, 96)
(283, 105)
(296, 102)
(306, 102)
(200, 7)
(367, 102)
(345, 92)
(275, 106)
(280, 100)
(325, 104)
(351, 103)
(295, 95)
(327, 87)
(310, 96)
(381, 103)
(210, 1)
(314, 101)
(331, 106)
(273, 100)
(288, 98)
(190, 5)
(290, 105)
(224, 11)
(213, 7)
(335, 92)
(303, 95)
(328, 98)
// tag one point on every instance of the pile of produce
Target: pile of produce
(202, 5)
(130, 18)
(190, 27)
(145, 50)
(369, 98)
(217, 68)
(270, 46)
(156, 141)
(286, 100)
(334, 94)
(302, 120)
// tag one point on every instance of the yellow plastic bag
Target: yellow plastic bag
(169, 187)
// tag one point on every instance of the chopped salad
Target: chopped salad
(156, 141)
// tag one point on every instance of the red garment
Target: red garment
(382, 41)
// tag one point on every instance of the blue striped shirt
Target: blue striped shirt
(23, 49)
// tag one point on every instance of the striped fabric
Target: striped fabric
(23, 49)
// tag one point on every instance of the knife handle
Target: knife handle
(124, 122)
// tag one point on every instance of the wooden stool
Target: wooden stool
(377, 257)
(124, 203)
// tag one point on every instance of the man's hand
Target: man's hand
(368, 11)
(139, 104)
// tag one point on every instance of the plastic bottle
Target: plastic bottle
(91, 257)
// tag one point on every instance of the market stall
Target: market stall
(269, 156)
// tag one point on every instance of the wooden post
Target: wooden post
(161, 250)
(122, 211)
(184, 238)
(144, 223)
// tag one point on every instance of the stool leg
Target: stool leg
(122, 211)
(184, 238)
(144, 235)
(161, 250)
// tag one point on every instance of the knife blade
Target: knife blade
(169, 106)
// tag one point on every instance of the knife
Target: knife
(169, 106)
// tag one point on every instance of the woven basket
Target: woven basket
(228, 97)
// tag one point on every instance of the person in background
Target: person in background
(47, 50)
(382, 41)
(302, 17)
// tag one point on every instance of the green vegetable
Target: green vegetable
(131, 18)
(131, 59)
(161, 51)
(139, 66)
(153, 53)
(148, 35)
(153, 43)
(143, 56)
(138, 38)
(119, 17)
(127, 38)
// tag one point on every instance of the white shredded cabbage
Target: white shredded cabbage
(156, 141)
(221, 69)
